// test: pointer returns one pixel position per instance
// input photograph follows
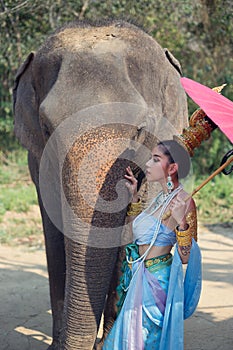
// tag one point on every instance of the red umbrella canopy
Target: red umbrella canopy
(217, 107)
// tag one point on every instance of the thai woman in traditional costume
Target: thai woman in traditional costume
(154, 295)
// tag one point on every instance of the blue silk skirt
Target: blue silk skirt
(154, 301)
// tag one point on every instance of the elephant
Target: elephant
(104, 90)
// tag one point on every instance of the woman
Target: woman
(154, 297)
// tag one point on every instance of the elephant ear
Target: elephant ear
(26, 109)
(173, 61)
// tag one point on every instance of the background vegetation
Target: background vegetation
(198, 33)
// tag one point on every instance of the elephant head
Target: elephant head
(90, 101)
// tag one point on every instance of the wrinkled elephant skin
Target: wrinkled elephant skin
(94, 98)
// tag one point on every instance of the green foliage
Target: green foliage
(13, 166)
(198, 33)
(17, 193)
(214, 201)
(17, 198)
(208, 156)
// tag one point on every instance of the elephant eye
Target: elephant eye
(46, 131)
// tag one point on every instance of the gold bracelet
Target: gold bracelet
(184, 238)
(134, 208)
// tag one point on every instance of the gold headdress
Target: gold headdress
(200, 128)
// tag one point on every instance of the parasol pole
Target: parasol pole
(216, 172)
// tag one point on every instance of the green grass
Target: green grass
(215, 200)
(13, 167)
(17, 198)
(17, 192)
(19, 215)
(26, 229)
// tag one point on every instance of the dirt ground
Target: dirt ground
(25, 316)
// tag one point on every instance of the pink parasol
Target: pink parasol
(217, 107)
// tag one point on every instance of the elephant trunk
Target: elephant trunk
(93, 222)
(88, 276)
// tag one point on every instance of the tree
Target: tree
(198, 33)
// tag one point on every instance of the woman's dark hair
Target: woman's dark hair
(176, 154)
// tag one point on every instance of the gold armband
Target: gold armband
(134, 208)
(184, 238)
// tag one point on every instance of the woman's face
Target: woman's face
(157, 167)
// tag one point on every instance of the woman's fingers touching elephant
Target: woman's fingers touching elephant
(132, 182)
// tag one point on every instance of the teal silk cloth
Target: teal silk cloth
(132, 254)
(156, 303)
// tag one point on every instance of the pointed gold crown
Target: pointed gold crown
(199, 129)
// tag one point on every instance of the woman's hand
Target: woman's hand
(178, 209)
(131, 184)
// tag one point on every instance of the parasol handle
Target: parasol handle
(216, 172)
(227, 155)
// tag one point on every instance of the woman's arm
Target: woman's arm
(187, 227)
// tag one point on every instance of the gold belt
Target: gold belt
(157, 259)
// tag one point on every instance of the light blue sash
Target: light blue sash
(182, 299)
